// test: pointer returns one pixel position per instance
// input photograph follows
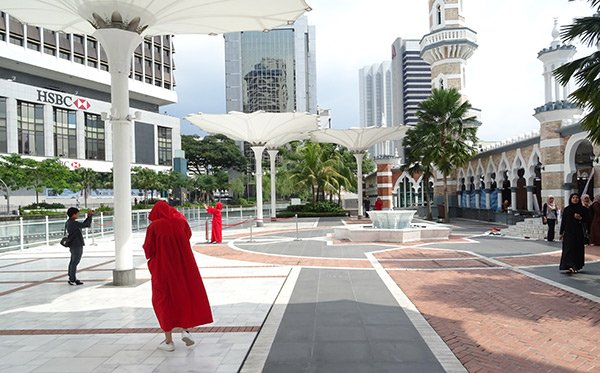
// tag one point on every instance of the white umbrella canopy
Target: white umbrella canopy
(258, 128)
(359, 139)
(154, 17)
(119, 26)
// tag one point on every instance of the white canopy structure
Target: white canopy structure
(119, 26)
(358, 140)
(259, 129)
(272, 146)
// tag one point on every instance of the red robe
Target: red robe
(178, 295)
(217, 223)
(378, 204)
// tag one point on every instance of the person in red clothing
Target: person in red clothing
(178, 295)
(378, 204)
(217, 222)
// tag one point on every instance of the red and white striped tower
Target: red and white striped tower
(384, 182)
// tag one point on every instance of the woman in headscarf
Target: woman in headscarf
(595, 221)
(217, 222)
(586, 202)
(178, 295)
(572, 225)
(550, 214)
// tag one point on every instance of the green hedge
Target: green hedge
(310, 214)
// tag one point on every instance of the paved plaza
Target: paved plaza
(287, 300)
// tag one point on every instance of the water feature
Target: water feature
(391, 219)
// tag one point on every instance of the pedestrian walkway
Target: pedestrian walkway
(289, 299)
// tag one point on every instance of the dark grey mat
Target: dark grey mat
(587, 281)
(346, 321)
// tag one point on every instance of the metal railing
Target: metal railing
(25, 233)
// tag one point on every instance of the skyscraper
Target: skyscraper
(375, 105)
(411, 81)
(273, 71)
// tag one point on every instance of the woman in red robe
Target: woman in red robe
(378, 204)
(217, 222)
(178, 295)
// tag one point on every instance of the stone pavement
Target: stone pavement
(287, 301)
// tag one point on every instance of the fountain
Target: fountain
(392, 226)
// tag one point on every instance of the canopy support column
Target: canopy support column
(258, 152)
(272, 155)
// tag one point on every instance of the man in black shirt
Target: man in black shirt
(76, 244)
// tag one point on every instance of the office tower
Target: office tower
(274, 71)
(55, 86)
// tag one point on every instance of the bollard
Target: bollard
(297, 233)
(101, 224)
(241, 212)
(21, 233)
(47, 232)
(137, 219)
(226, 213)
(251, 224)
(206, 230)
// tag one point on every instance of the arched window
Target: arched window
(442, 83)
(438, 10)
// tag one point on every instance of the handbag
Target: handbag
(66, 240)
(544, 220)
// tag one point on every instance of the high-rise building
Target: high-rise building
(55, 86)
(411, 81)
(375, 101)
(274, 71)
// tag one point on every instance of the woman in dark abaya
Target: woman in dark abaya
(575, 218)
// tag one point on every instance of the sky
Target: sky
(504, 76)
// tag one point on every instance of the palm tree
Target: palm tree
(86, 179)
(586, 70)
(417, 161)
(447, 135)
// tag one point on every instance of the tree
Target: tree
(417, 161)
(50, 173)
(145, 179)
(86, 179)
(447, 136)
(212, 153)
(586, 71)
(12, 174)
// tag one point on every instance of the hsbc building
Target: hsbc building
(55, 87)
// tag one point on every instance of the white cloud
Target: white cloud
(503, 77)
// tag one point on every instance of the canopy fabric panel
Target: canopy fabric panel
(257, 128)
(359, 139)
(160, 16)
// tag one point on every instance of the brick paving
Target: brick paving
(436, 264)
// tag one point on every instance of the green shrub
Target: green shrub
(44, 206)
(319, 207)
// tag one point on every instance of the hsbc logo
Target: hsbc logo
(82, 104)
(63, 100)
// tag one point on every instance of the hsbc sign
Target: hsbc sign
(63, 100)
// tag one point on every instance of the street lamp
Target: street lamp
(7, 197)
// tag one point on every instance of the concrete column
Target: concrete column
(49, 150)
(258, 151)
(459, 195)
(272, 155)
(384, 184)
(80, 134)
(530, 189)
(513, 197)
(12, 136)
(477, 198)
(359, 158)
(499, 190)
(488, 195)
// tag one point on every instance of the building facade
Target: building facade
(274, 71)
(557, 160)
(55, 89)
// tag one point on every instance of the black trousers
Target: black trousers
(551, 224)
(76, 253)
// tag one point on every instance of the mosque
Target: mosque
(556, 160)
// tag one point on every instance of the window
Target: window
(65, 133)
(49, 50)
(64, 55)
(3, 140)
(165, 146)
(438, 10)
(30, 128)
(95, 146)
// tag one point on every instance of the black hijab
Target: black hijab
(575, 208)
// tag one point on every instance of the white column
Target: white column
(119, 46)
(513, 197)
(488, 201)
(529, 198)
(258, 151)
(359, 158)
(12, 135)
(478, 197)
(80, 134)
(49, 150)
(272, 155)
(500, 201)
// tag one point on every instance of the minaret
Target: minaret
(551, 116)
(449, 44)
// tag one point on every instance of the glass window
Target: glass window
(30, 128)
(65, 133)
(95, 146)
(165, 146)
(3, 139)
